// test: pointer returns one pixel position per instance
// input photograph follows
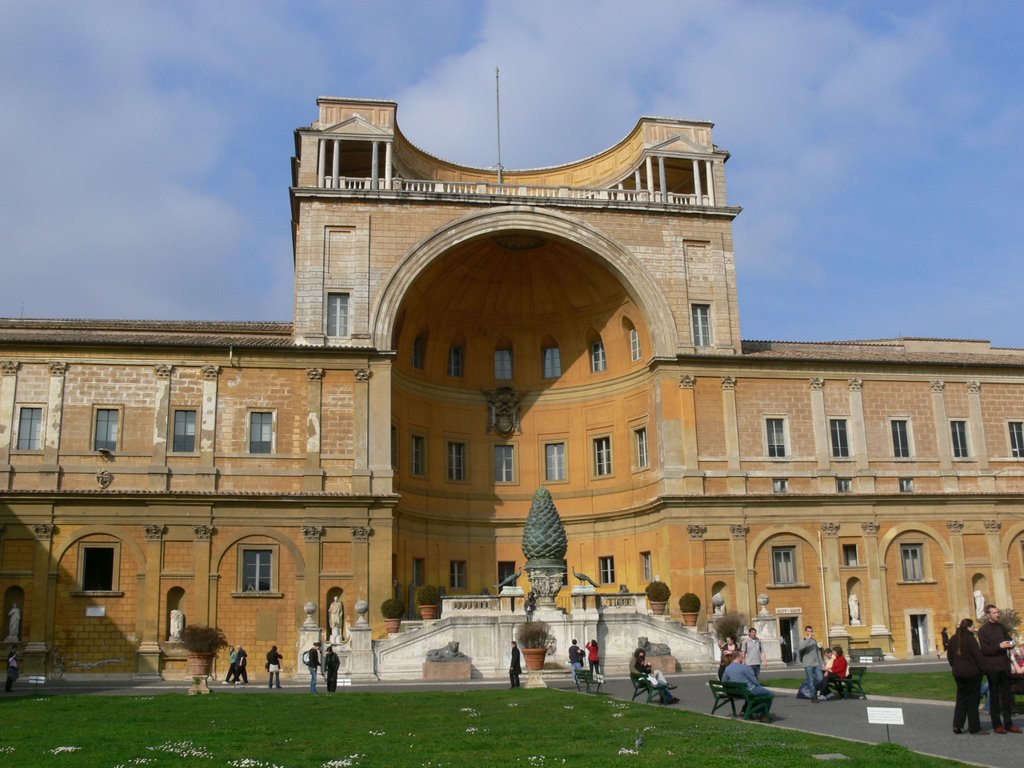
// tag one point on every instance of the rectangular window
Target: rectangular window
(257, 565)
(700, 318)
(850, 555)
(184, 440)
(1017, 439)
(640, 438)
(840, 441)
(906, 485)
(552, 363)
(98, 568)
(606, 567)
(780, 485)
(958, 439)
(844, 485)
(504, 464)
(598, 358)
(419, 352)
(455, 361)
(506, 568)
(776, 433)
(602, 456)
(647, 565)
(457, 574)
(784, 565)
(418, 455)
(554, 461)
(912, 558)
(105, 438)
(456, 461)
(503, 364)
(30, 429)
(261, 432)
(419, 571)
(635, 353)
(337, 315)
(900, 438)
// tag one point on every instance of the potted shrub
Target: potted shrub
(689, 606)
(534, 637)
(202, 644)
(427, 598)
(658, 594)
(392, 610)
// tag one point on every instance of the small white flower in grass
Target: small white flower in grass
(378, 733)
(471, 729)
(58, 750)
(568, 706)
(248, 762)
(616, 714)
(6, 749)
(628, 751)
(182, 749)
(513, 703)
(344, 762)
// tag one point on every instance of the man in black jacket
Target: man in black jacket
(313, 663)
(515, 669)
(995, 644)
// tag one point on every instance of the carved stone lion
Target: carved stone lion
(450, 652)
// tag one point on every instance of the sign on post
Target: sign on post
(885, 716)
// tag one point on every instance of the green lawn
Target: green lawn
(259, 729)
(910, 685)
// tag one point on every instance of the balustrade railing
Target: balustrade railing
(471, 188)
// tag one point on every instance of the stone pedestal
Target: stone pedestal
(767, 627)
(447, 671)
(361, 645)
(667, 665)
(148, 662)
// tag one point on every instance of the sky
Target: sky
(876, 147)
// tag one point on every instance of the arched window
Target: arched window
(598, 357)
(551, 359)
(456, 360)
(635, 350)
(503, 362)
(419, 352)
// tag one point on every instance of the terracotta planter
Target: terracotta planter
(658, 609)
(690, 619)
(534, 658)
(391, 626)
(428, 612)
(200, 665)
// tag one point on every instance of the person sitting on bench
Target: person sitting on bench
(839, 669)
(738, 672)
(655, 679)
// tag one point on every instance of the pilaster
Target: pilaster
(735, 481)
(201, 568)
(819, 424)
(206, 477)
(312, 536)
(876, 583)
(1000, 568)
(949, 480)
(148, 618)
(693, 483)
(957, 576)
(835, 605)
(158, 474)
(42, 596)
(739, 558)
(313, 476)
(8, 391)
(379, 429)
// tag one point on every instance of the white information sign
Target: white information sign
(95, 610)
(885, 715)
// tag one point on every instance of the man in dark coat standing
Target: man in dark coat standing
(515, 669)
(995, 644)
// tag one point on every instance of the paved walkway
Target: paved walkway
(927, 725)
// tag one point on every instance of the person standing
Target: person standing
(995, 642)
(332, 662)
(12, 669)
(515, 669)
(241, 664)
(575, 658)
(313, 665)
(809, 653)
(593, 657)
(753, 653)
(232, 675)
(964, 656)
(274, 667)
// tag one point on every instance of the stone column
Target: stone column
(835, 602)
(336, 164)
(649, 168)
(149, 607)
(709, 167)
(662, 185)
(744, 600)
(820, 423)
(876, 583)
(313, 474)
(957, 577)
(200, 607)
(693, 481)
(206, 476)
(321, 161)
(698, 193)
(158, 473)
(50, 471)
(388, 160)
(8, 390)
(1000, 568)
(312, 535)
(949, 480)
(735, 481)
(44, 582)
(375, 171)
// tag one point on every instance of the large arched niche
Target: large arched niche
(525, 224)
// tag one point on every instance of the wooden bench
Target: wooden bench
(642, 685)
(850, 687)
(860, 654)
(729, 693)
(588, 679)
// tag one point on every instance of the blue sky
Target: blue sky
(876, 146)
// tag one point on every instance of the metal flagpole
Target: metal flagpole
(497, 105)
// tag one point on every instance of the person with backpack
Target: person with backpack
(312, 661)
(576, 657)
(274, 667)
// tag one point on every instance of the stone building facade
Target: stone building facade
(461, 338)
